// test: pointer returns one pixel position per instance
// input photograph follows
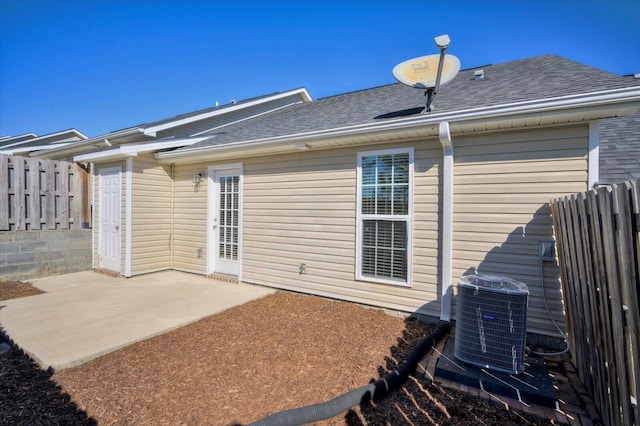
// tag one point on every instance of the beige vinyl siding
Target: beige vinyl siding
(151, 216)
(503, 183)
(227, 118)
(190, 219)
(96, 212)
(301, 209)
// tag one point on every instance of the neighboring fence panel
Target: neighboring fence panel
(42, 194)
(598, 240)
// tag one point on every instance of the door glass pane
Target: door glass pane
(228, 214)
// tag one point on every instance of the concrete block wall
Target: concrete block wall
(32, 254)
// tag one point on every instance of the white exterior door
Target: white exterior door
(109, 214)
(225, 219)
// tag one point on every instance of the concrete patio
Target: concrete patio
(84, 315)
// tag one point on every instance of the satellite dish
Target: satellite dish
(422, 72)
(429, 72)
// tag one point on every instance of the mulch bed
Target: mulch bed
(279, 352)
(16, 289)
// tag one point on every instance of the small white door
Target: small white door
(225, 220)
(109, 218)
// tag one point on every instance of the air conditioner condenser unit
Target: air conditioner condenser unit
(491, 325)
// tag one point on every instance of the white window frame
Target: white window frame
(408, 218)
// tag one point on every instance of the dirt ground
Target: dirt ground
(16, 289)
(279, 352)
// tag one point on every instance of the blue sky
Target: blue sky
(100, 66)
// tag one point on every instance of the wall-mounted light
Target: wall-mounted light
(197, 178)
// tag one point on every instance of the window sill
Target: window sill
(375, 280)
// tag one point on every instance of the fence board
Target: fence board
(628, 279)
(18, 194)
(49, 194)
(4, 193)
(598, 239)
(42, 194)
(62, 194)
(34, 196)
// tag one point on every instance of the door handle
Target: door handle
(117, 227)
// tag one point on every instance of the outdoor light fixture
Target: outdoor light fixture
(197, 178)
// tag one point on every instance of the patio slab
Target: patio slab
(85, 315)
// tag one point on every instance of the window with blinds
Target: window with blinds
(385, 189)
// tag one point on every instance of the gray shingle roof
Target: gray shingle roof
(620, 149)
(534, 78)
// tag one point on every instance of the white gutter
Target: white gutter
(132, 150)
(565, 104)
(447, 220)
(152, 130)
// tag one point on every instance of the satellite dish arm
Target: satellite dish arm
(440, 65)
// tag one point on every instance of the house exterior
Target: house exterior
(360, 196)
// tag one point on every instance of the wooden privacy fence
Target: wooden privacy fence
(42, 194)
(598, 237)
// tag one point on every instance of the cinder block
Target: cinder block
(7, 237)
(26, 236)
(21, 258)
(9, 248)
(9, 272)
(33, 246)
(79, 234)
(32, 270)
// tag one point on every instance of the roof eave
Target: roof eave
(59, 152)
(132, 150)
(580, 107)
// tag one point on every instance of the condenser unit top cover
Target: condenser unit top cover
(494, 283)
(491, 322)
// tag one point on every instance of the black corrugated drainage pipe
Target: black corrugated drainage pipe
(375, 391)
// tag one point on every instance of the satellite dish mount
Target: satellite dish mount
(429, 72)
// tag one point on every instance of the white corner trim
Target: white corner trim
(447, 220)
(93, 170)
(128, 213)
(594, 154)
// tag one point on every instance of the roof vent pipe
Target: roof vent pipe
(478, 74)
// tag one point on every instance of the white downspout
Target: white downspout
(447, 220)
(594, 154)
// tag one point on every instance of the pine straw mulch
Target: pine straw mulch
(279, 352)
(16, 289)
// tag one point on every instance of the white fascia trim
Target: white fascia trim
(73, 132)
(132, 150)
(594, 154)
(128, 196)
(39, 148)
(447, 220)
(151, 131)
(566, 104)
(32, 136)
(96, 140)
